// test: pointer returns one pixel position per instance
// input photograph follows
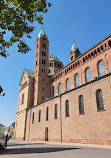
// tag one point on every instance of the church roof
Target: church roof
(74, 47)
(30, 73)
(41, 33)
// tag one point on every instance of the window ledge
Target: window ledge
(81, 113)
(100, 110)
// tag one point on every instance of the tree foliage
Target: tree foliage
(17, 17)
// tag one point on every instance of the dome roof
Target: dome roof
(53, 58)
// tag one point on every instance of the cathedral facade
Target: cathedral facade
(69, 103)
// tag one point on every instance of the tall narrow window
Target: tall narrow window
(33, 118)
(76, 80)
(39, 116)
(22, 99)
(67, 84)
(81, 105)
(99, 100)
(59, 88)
(67, 108)
(88, 75)
(53, 92)
(47, 114)
(55, 111)
(101, 69)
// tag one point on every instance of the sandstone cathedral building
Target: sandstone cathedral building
(69, 103)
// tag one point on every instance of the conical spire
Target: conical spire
(41, 33)
(74, 47)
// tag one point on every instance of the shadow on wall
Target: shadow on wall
(35, 150)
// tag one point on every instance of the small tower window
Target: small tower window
(36, 63)
(71, 58)
(44, 53)
(44, 62)
(44, 45)
(37, 45)
(49, 70)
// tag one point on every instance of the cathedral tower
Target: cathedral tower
(74, 52)
(41, 68)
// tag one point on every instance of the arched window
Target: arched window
(101, 69)
(39, 116)
(109, 43)
(99, 100)
(55, 111)
(67, 84)
(47, 114)
(33, 118)
(59, 88)
(76, 80)
(81, 105)
(88, 75)
(67, 108)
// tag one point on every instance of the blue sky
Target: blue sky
(83, 21)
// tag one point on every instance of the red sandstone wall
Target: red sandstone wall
(92, 127)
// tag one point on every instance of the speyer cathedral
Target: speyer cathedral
(69, 103)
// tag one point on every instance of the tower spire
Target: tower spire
(74, 46)
(41, 33)
(74, 52)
